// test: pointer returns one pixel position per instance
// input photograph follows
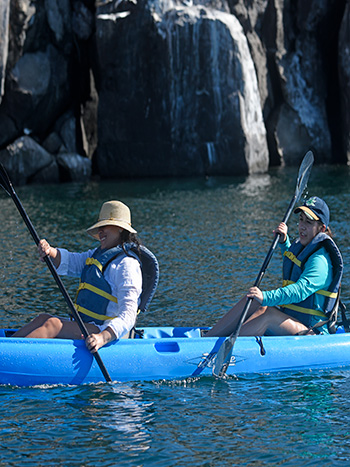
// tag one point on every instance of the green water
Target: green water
(210, 237)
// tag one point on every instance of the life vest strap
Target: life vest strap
(307, 311)
(96, 290)
(96, 316)
(326, 293)
(93, 261)
(292, 257)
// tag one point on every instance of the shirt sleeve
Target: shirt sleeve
(285, 246)
(72, 264)
(314, 277)
(125, 279)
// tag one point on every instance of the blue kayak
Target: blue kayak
(162, 353)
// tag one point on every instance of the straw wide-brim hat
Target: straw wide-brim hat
(112, 213)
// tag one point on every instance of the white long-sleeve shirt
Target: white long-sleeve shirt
(125, 279)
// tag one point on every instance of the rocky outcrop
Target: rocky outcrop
(344, 79)
(190, 106)
(26, 162)
(171, 87)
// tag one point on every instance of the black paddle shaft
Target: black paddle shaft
(7, 186)
(303, 176)
(263, 269)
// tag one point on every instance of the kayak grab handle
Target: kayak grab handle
(167, 347)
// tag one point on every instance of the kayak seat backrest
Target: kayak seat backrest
(169, 332)
(337, 262)
(150, 276)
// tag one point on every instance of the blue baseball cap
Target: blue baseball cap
(316, 209)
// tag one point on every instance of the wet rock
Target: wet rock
(59, 16)
(74, 167)
(4, 34)
(83, 20)
(52, 143)
(67, 131)
(39, 86)
(49, 174)
(24, 159)
(302, 120)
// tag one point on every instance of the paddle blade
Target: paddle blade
(223, 358)
(304, 174)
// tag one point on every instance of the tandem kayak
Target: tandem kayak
(163, 353)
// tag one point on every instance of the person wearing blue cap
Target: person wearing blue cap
(312, 271)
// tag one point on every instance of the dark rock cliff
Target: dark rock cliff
(171, 88)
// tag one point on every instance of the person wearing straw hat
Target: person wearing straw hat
(110, 282)
(312, 271)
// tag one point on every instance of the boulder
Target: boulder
(49, 174)
(74, 167)
(59, 18)
(24, 159)
(39, 86)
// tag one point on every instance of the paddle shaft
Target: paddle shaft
(53, 271)
(262, 271)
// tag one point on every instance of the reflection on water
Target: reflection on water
(287, 419)
(254, 185)
(210, 237)
(129, 415)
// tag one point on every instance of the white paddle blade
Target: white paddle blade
(304, 174)
(223, 358)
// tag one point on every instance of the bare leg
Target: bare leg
(228, 323)
(48, 326)
(273, 320)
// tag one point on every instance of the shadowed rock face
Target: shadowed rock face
(173, 88)
(184, 102)
(344, 77)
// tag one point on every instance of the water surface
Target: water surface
(210, 237)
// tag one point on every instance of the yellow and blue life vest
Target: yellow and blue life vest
(94, 292)
(293, 266)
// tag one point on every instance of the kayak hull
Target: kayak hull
(164, 353)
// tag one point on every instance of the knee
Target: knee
(45, 320)
(262, 310)
(42, 318)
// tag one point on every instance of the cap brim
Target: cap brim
(310, 214)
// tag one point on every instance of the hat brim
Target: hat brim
(93, 230)
(308, 212)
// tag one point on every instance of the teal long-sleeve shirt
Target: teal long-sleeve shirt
(317, 275)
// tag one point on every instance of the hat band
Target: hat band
(115, 220)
